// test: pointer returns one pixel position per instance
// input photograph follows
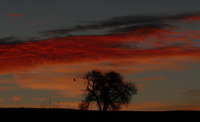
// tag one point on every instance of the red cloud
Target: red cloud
(135, 44)
(16, 98)
(14, 15)
(193, 18)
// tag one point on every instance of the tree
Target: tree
(108, 90)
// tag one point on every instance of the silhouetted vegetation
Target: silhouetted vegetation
(49, 104)
(108, 90)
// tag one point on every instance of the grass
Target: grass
(71, 115)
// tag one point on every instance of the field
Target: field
(69, 115)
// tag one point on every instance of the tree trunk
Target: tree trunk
(99, 105)
(98, 102)
(105, 108)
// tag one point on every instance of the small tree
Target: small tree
(108, 90)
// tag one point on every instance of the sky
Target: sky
(45, 44)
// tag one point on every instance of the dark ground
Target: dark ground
(67, 115)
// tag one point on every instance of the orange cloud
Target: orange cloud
(150, 78)
(6, 87)
(14, 15)
(60, 77)
(1, 101)
(64, 84)
(141, 86)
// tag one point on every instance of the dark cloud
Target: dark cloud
(124, 23)
(125, 29)
(15, 40)
(57, 32)
(10, 40)
(112, 24)
(127, 20)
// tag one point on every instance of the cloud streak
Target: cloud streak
(13, 15)
(150, 78)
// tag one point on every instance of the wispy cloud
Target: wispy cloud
(193, 92)
(14, 15)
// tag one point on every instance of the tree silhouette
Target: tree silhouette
(108, 90)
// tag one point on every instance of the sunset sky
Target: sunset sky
(45, 44)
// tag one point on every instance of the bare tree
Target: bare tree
(49, 104)
(108, 90)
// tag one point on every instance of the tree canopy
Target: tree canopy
(108, 90)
